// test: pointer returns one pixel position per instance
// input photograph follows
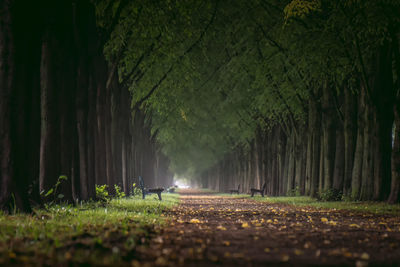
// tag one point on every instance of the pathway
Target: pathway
(218, 230)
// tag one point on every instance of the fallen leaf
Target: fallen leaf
(285, 257)
(361, 264)
(161, 261)
(298, 252)
(365, 256)
(195, 221)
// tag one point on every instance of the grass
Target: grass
(359, 206)
(91, 233)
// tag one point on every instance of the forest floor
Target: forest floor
(202, 229)
(210, 229)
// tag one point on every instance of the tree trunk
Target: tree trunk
(383, 94)
(338, 173)
(7, 79)
(49, 140)
(395, 160)
(366, 189)
(359, 151)
(350, 138)
(328, 125)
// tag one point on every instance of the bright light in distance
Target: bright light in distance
(181, 184)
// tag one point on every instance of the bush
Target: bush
(136, 190)
(118, 192)
(294, 192)
(102, 193)
(52, 195)
(330, 195)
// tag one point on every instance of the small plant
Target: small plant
(347, 198)
(330, 195)
(294, 192)
(118, 193)
(53, 192)
(102, 193)
(136, 190)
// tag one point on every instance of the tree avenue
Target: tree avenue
(302, 95)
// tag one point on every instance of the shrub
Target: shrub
(53, 192)
(330, 195)
(294, 192)
(102, 193)
(136, 190)
(118, 192)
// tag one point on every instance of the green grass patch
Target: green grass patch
(359, 206)
(93, 233)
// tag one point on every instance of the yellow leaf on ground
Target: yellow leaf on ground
(226, 243)
(323, 219)
(245, 225)
(285, 257)
(220, 227)
(161, 261)
(347, 254)
(354, 225)
(238, 255)
(365, 256)
(298, 252)
(195, 221)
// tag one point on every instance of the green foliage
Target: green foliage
(102, 193)
(53, 192)
(136, 191)
(330, 195)
(47, 235)
(118, 193)
(294, 192)
(224, 69)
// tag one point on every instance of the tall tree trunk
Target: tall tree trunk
(328, 125)
(366, 189)
(49, 140)
(350, 137)
(7, 80)
(383, 94)
(395, 156)
(338, 172)
(359, 151)
(395, 160)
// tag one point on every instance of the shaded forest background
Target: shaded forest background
(302, 95)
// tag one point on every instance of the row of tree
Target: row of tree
(302, 95)
(334, 127)
(63, 110)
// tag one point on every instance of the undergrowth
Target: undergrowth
(90, 233)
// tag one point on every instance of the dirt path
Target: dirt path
(215, 230)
